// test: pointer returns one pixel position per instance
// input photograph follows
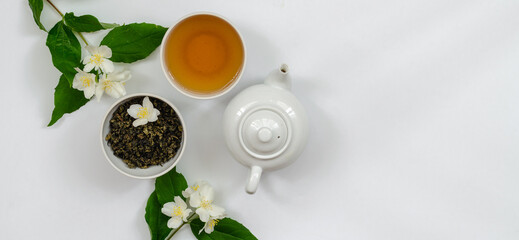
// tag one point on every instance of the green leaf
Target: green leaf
(65, 50)
(66, 100)
(133, 42)
(170, 185)
(226, 229)
(86, 23)
(37, 7)
(109, 25)
(157, 222)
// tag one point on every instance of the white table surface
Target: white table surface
(414, 113)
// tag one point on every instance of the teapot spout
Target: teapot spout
(279, 78)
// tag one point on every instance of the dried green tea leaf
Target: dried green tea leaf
(66, 100)
(37, 7)
(133, 42)
(86, 23)
(65, 50)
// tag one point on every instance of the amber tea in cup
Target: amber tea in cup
(203, 55)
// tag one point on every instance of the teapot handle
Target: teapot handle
(254, 177)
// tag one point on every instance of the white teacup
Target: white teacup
(184, 46)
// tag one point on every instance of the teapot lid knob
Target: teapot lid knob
(265, 134)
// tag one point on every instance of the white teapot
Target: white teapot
(265, 126)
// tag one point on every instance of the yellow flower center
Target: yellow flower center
(177, 211)
(96, 59)
(213, 223)
(143, 112)
(195, 187)
(206, 204)
(107, 84)
(86, 81)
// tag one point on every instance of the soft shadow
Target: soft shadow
(262, 56)
(208, 138)
(80, 146)
(321, 142)
(26, 24)
(40, 80)
(41, 77)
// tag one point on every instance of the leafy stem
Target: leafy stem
(189, 219)
(61, 14)
(55, 8)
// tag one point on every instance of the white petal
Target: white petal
(147, 103)
(91, 49)
(153, 116)
(99, 91)
(89, 91)
(180, 202)
(127, 75)
(186, 214)
(216, 211)
(191, 190)
(204, 214)
(195, 200)
(90, 76)
(174, 222)
(201, 183)
(112, 92)
(116, 91)
(170, 205)
(207, 192)
(133, 110)
(86, 59)
(167, 209)
(187, 193)
(104, 51)
(89, 67)
(78, 70)
(121, 89)
(121, 76)
(209, 229)
(107, 66)
(76, 83)
(140, 121)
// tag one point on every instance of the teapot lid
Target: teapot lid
(264, 133)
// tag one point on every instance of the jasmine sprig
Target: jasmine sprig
(127, 44)
(206, 220)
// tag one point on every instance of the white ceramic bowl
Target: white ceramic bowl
(181, 89)
(117, 163)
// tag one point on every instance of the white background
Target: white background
(414, 113)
